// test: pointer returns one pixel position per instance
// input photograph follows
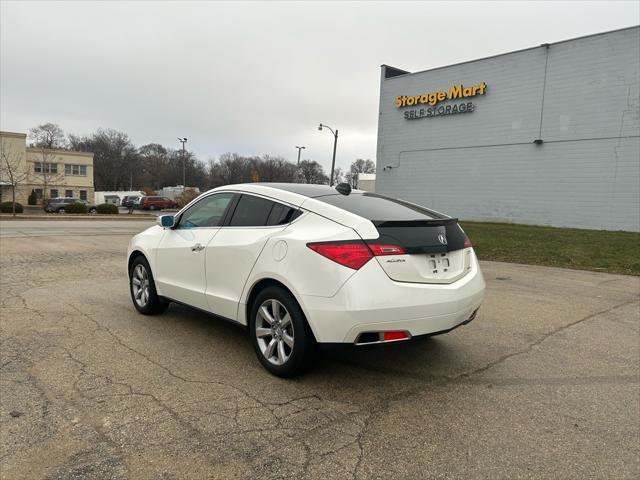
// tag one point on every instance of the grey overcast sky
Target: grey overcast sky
(248, 77)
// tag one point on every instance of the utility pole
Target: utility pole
(335, 143)
(299, 149)
(183, 140)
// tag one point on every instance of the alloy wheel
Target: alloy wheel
(274, 332)
(140, 285)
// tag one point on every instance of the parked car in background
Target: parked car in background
(305, 264)
(156, 203)
(59, 204)
(129, 200)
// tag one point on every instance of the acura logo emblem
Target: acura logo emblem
(442, 239)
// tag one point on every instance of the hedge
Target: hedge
(7, 207)
(75, 208)
(108, 208)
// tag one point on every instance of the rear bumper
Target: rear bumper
(370, 301)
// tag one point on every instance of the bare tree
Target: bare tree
(312, 172)
(357, 167)
(47, 135)
(13, 170)
(46, 172)
(338, 176)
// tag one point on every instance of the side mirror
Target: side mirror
(166, 221)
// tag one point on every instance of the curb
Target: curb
(71, 216)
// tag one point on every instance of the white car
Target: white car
(303, 264)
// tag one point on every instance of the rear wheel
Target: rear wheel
(280, 334)
(93, 210)
(61, 210)
(143, 289)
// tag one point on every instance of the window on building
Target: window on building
(75, 170)
(83, 194)
(68, 193)
(54, 193)
(39, 167)
(38, 192)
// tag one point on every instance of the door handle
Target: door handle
(197, 247)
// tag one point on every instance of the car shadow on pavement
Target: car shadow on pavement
(399, 358)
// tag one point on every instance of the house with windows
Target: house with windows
(49, 173)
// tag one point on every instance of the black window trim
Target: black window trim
(226, 218)
(227, 223)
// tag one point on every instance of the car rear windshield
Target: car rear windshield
(377, 207)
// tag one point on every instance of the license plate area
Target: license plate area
(438, 264)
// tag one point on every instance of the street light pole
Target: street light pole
(183, 140)
(299, 149)
(335, 144)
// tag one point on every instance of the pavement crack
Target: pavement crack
(539, 340)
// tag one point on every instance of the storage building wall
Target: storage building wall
(581, 97)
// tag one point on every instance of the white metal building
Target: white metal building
(548, 135)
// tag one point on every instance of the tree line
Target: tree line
(119, 164)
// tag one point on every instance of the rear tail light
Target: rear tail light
(467, 242)
(379, 249)
(352, 254)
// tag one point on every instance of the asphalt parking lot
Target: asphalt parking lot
(543, 384)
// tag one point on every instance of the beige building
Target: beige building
(50, 173)
(367, 182)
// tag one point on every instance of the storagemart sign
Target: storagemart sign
(430, 101)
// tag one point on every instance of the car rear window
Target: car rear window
(377, 207)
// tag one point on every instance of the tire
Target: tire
(61, 210)
(292, 337)
(93, 211)
(152, 207)
(144, 296)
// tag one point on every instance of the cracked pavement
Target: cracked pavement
(543, 384)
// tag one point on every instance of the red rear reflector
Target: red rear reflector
(467, 243)
(350, 254)
(379, 249)
(394, 336)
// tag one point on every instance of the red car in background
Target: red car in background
(156, 203)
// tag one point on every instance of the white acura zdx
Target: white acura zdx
(305, 264)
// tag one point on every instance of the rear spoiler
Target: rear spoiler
(436, 222)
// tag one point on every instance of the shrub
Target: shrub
(75, 208)
(33, 198)
(186, 196)
(108, 208)
(6, 207)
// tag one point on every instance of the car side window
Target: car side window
(208, 212)
(251, 211)
(282, 214)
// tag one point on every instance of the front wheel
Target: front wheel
(280, 334)
(93, 211)
(61, 211)
(143, 289)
